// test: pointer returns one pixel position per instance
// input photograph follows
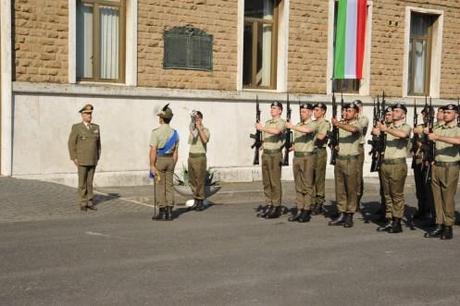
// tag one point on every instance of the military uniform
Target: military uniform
(160, 138)
(85, 147)
(364, 124)
(324, 127)
(393, 174)
(197, 167)
(445, 173)
(303, 169)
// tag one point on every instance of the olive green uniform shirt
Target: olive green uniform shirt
(196, 145)
(364, 124)
(274, 142)
(85, 144)
(446, 152)
(348, 141)
(305, 142)
(397, 147)
(324, 127)
(160, 136)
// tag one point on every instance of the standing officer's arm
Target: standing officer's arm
(446, 139)
(153, 158)
(72, 144)
(99, 148)
(202, 134)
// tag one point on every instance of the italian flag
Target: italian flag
(349, 39)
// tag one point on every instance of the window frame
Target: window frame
(121, 5)
(255, 23)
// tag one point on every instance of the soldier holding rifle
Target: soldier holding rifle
(364, 124)
(346, 165)
(304, 162)
(445, 172)
(394, 167)
(273, 131)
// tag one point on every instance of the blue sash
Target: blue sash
(169, 145)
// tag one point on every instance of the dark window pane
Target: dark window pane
(247, 55)
(262, 9)
(420, 24)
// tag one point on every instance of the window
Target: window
(420, 43)
(100, 41)
(260, 43)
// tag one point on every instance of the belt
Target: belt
(196, 155)
(322, 148)
(446, 164)
(347, 157)
(266, 151)
(394, 161)
(303, 154)
(165, 155)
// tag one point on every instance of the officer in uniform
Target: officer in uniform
(363, 124)
(198, 139)
(273, 131)
(422, 186)
(347, 166)
(85, 149)
(394, 167)
(304, 162)
(324, 127)
(445, 172)
(164, 145)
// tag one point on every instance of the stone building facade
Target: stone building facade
(42, 89)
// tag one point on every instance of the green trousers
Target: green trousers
(393, 180)
(164, 190)
(197, 176)
(320, 176)
(303, 170)
(85, 184)
(346, 184)
(271, 178)
(444, 185)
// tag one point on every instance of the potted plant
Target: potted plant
(182, 186)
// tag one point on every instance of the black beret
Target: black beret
(321, 105)
(388, 109)
(276, 103)
(451, 107)
(307, 106)
(401, 106)
(351, 105)
(358, 103)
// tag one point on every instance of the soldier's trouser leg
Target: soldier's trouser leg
(298, 170)
(360, 181)
(197, 176)
(271, 176)
(385, 174)
(444, 185)
(346, 172)
(382, 194)
(396, 179)
(164, 185)
(303, 168)
(320, 175)
(85, 183)
(419, 185)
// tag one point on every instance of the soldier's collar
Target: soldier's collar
(451, 125)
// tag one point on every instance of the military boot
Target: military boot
(436, 233)
(447, 233)
(274, 213)
(161, 214)
(395, 226)
(339, 220)
(386, 227)
(314, 209)
(200, 205)
(348, 220)
(195, 204)
(168, 213)
(296, 215)
(268, 209)
(305, 216)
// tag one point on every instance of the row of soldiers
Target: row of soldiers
(310, 137)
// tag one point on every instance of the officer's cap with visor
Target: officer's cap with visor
(87, 109)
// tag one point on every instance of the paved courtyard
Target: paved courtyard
(53, 254)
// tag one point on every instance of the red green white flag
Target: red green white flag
(349, 39)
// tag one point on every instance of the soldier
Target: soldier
(85, 149)
(273, 131)
(324, 127)
(394, 167)
(304, 162)
(347, 166)
(198, 139)
(445, 172)
(364, 124)
(439, 116)
(422, 186)
(164, 144)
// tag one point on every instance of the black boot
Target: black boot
(161, 214)
(305, 216)
(168, 213)
(268, 209)
(274, 213)
(314, 209)
(339, 220)
(386, 227)
(395, 226)
(295, 215)
(195, 204)
(200, 206)
(348, 220)
(447, 233)
(436, 233)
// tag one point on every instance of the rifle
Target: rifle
(334, 137)
(288, 134)
(378, 142)
(415, 138)
(257, 136)
(458, 110)
(429, 145)
(341, 105)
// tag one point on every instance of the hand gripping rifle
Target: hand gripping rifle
(378, 142)
(288, 133)
(334, 136)
(415, 138)
(257, 136)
